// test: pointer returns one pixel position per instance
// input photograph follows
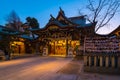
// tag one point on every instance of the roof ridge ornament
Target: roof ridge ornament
(52, 18)
(61, 11)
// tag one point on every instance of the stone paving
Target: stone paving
(35, 68)
(48, 68)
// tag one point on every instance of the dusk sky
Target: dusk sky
(41, 10)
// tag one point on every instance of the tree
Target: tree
(13, 21)
(5, 42)
(101, 12)
(32, 22)
(10, 32)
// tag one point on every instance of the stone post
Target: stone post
(107, 61)
(95, 60)
(85, 60)
(113, 61)
(45, 51)
(89, 60)
(101, 61)
(70, 52)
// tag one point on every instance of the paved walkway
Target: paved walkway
(35, 68)
(48, 68)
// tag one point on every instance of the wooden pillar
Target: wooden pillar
(85, 60)
(107, 61)
(95, 61)
(113, 61)
(89, 60)
(101, 61)
(37, 49)
(54, 47)
(66, 47)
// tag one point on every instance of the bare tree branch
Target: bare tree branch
(109, 15)
(13, 21)
(102, 11)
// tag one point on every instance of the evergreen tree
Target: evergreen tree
(32, 22)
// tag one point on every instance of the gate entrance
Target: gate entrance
(57, 48)
(60, 47)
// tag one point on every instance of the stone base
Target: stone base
(44, 54)
(71, 55)
(102, 70)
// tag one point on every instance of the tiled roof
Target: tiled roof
(117, 29)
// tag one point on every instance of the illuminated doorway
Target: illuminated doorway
(17, 48)
(57, 47)
(60, 47)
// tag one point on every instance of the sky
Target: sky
(41, 10)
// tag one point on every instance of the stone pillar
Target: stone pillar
(70, 52)
(89, 60)
(95, 61)
(101, 61)
(45, 51)
(113, 61)
(107, 61)
(85, 60)
(118, 61)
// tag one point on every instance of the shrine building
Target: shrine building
(70, 37)
(66, 36)
(63, 36)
